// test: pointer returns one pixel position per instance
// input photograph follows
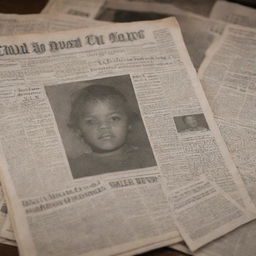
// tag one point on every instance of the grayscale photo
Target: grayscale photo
(101, 126)
(4, 209)
(191, 123)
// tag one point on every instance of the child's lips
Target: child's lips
(106, 136)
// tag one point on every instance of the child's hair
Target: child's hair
(184, 117)
(95, 93)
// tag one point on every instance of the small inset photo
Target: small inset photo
(191, 123)
(101, 126)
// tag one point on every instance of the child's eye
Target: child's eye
(90, 121)
(115, 118)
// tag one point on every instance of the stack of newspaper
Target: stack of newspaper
(119, 138)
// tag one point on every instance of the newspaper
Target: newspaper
(234, 13)
(82, 182)
(198, 32)
(228, 78)
(88, 8)
(148, 212)
(202, 7)
(13, 24)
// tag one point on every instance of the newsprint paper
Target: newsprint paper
(234, 13)
(228, 77)
(88, 8)
(14, 24)
(98, 128)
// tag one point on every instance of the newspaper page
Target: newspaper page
(88, 8)
(202, 7)
(197, 222)
(13, 24)
(234, 13)
(70, 179)
(198, 32)
(228, 79)
(137, 199)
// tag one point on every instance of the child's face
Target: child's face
(104, 125)
(191, 121)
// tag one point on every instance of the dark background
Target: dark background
(35, 6)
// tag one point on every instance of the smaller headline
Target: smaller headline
(76, 194)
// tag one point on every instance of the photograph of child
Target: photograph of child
(191, 123)
(101, 116)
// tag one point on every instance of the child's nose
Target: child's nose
(104, 125)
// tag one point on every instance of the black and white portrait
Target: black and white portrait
(101, 126)
(191, 123)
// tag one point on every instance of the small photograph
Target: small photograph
(101, 126)
(108, 14)
(191, 123)
(4, 209)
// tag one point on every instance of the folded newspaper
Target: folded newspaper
(99, 128)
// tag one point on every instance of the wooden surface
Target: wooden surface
(35, 6)
(22, 6)
(6, 250)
